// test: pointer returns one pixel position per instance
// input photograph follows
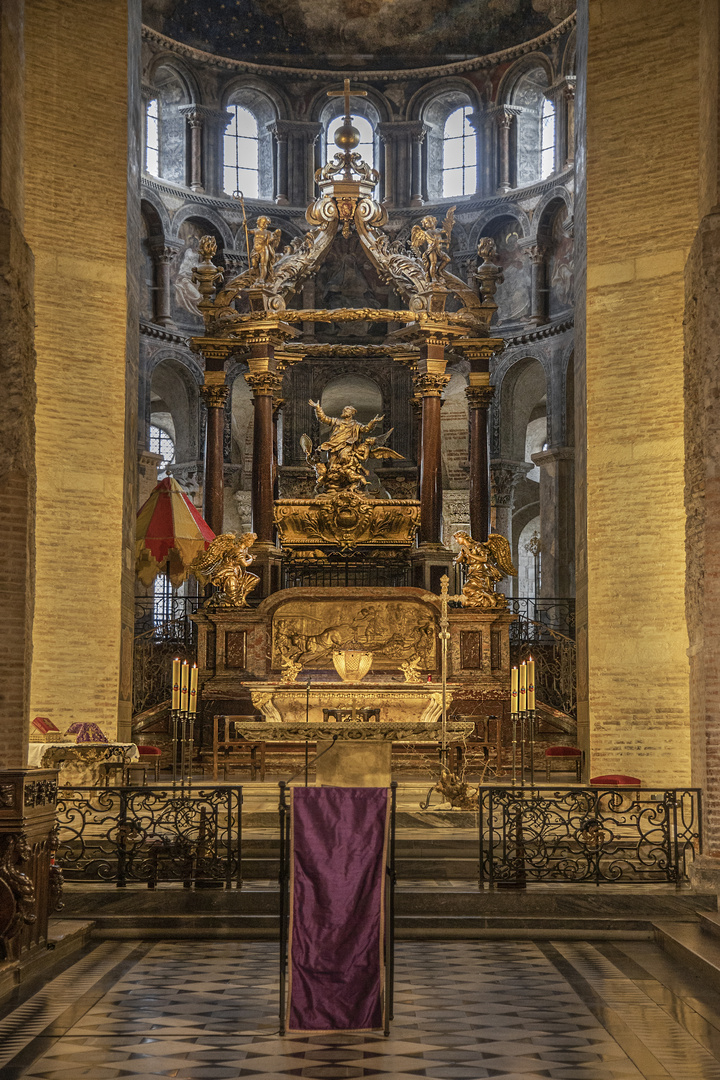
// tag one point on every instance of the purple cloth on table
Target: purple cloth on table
(86, 732)
(339, 844)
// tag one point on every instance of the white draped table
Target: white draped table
(80, 764)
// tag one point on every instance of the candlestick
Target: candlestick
(193, 688)
(176, 683)
(184, 680)
(514, 690)
(522, 687)
(531, 684)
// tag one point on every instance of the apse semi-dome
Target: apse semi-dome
(354, 33)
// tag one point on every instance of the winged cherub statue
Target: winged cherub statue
(427, 235)
(487, 563)
(224, 565)
(339, 461)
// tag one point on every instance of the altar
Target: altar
(82, 764)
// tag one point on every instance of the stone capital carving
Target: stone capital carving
(429, 385)
(215, 396)
(536, 254)
(391, 130)
(504, 477)
(204, 114)
(503, 115)
(308, 130)
(162, 250)
(264, 382)
(479, 397)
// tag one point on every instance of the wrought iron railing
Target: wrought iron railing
(539, 616)
(163, 630)
(595, 836)
(166, 617)
(347, 573)
(128, 835)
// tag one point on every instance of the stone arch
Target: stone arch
(569, 54)
(215, 222)
(433, 105)
(267, 104)
(508, 83)
(555, 240)
(175, 87)
(524, 91)
(173, 391)
(522, 388)
(513, 293)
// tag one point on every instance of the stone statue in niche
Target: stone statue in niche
(339, 462)
(187, 293)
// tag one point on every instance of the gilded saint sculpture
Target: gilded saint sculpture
(224, 565)
(487, 563)
(264, 249)
(339, 461)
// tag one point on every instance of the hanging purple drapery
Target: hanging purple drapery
(337, 906)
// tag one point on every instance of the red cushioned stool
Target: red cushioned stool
(615, 780)
(570, 757)
(149, 759)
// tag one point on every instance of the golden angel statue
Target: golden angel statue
(339, 461)
(427, 235)
(487, 563)
(264, 249)
(224, 565)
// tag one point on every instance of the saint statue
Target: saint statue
(264, 249)
(339, 461)
(427, 235)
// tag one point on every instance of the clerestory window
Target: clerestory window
(159, 442)
(152, 138)
(547, 139)
(241, 170)
(459, 166)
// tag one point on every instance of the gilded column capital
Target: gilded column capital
(264, 382)
(479, 397)
(430, 385)
(214, 396)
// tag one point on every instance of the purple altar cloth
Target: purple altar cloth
(337, 898)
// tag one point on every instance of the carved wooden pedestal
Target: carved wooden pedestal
(30, 887)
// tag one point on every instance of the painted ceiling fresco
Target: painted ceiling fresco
(346, 33)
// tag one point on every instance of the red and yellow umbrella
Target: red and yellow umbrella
(170, 533)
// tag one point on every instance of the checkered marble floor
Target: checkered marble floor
(514, 1010)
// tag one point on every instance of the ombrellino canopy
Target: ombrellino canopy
(170, 533)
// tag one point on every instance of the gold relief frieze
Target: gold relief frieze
(309, 631)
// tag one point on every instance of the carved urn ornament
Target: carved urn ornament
(352, 665)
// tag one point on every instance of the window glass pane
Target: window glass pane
(547, 162)
(240, 153)
(152, 138)
(454, 153)
(161, 443)
(454, 124)
(245, 122)
(459, 154)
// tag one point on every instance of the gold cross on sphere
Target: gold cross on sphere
(346, 92)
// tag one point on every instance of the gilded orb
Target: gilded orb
(347, 137)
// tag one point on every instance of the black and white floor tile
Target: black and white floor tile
(513, 1010)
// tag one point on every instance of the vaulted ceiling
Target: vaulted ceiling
(353, 33)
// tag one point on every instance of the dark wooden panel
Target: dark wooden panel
(495, 650)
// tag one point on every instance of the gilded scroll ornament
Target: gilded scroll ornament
(487, 563)
(345, 519)
(224, 565)
(411, 670)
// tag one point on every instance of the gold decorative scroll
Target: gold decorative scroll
(346, 520)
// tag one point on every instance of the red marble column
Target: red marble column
(213, 486)
(263, 385)
(479, 398)
(429, 388)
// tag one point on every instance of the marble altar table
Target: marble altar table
(355, 754)
(396, 701)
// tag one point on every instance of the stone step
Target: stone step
(693, 945)
(404, 819)
(407, 868)
(710, 922)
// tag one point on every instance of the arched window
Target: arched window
(241, 169)
(366, 146)
(535, 126)
(459, 168)
(161, 443)
(547, 139)
(152, 138)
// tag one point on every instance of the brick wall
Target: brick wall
(76, 207)
(642, 212)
